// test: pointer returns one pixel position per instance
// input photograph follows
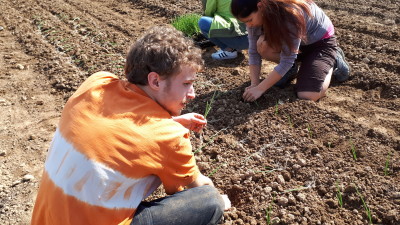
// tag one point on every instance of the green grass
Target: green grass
(209, 142)
(353, 149)
(216, 170)
(289, 120)
(187, 23)
(310, 133)
(386, 170)
(209, 105)
(366, 208)
(296, 189)
(339, 195)
(268, 212)
(276, 107)
(269, 170)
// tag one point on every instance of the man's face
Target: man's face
(176, 91)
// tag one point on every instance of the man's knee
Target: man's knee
(213, 200)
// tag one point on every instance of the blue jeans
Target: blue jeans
(238, 42)
(196, 206)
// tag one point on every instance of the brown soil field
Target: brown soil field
(281, 157)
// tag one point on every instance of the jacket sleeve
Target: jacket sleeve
(211, 7)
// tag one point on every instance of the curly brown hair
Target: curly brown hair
(164, 50)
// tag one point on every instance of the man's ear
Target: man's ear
(154, 80)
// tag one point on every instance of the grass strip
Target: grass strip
(187, 23)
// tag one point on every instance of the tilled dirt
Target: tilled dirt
(282, 157)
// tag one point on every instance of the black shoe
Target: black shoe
(288, 77)
(341, 70)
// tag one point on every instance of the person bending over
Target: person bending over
(223, 29)
(118, 140)
(285, 31)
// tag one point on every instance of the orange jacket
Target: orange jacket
(114, 146)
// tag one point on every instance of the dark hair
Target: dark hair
(243, 8)
(164, 50)
(283, 20)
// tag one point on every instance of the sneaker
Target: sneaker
(221, 55)
(341, 70)
(289, 76)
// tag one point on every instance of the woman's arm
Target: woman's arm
(255, 72)
(253, 93)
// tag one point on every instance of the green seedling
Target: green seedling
(188, 24)
(366, 208)
(353, 149)
(276, 107)
(268, 212)
(308, 186)
(209, 142)
(62, 16)
(295, 189)
(209, 105)
(216, 170)
(329, 144)
(289, 120)
(310, 133)
(386, 170)
(64, 40)
(67, 47)
(269, 170)
(112, 44)
(339, 195)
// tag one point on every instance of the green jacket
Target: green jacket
(224, 23)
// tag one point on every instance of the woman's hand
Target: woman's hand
(252, 93)
(192, 121)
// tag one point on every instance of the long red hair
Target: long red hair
(284, 20)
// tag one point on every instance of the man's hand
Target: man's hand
(227, 202)
(200, 181)
(252, 93)
(192, 121)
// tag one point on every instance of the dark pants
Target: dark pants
(196, 206)
(239, 42)
(316, 61)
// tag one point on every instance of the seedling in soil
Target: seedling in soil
(267, 171)
(308, 186)
(276, 108)
(353, 149)
(296, 189)
(258, 106)
(216, 170)
(309, 131)
(208, 109)
(188, 24)
(290, 120)
(339, 195)
(209, 142)
(209, 105)
(366, 208)
(386, 170)
(268, 212)
(329, 145)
